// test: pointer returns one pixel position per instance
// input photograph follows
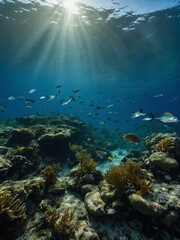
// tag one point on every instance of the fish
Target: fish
(110, 159)
(98, 108)
(138, 114)
(111, 105)
(11, 98)
(91, 105)
(59, 86)
(159, 95)
(65, 103)
(88, 139)
(29, 100)
(150, 117)
(3, 108)
(21, 97)
(29, 106)
(81, 102)
(42, 97)
(32, 91)
(130, 137)
(117, 129)
(168, 119)
(20, 149)
(102, 123)
(76, 90)
(51, 97)
(168, 113)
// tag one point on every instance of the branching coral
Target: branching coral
(63, 225)
(12, 205)
(75, 148)
(128, 176)
(164, 145)
(49, 173)
(86, 163)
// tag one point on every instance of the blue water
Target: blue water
(118, 54)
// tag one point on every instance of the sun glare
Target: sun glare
(70, 5)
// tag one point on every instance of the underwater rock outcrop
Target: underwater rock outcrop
(162, 161)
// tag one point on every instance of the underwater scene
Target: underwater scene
(89, 120)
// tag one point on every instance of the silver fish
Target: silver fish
(32, 91)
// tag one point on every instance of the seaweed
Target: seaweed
(11, 205)
(128, 177)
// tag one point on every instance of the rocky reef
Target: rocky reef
(50, 187)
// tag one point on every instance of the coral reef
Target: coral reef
(128, 177)
(62, 224)
(49, 173)
(11, 205)
(56, 184)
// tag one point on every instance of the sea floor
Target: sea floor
(61, 180)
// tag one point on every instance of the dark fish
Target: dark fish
(81, 102)
(29, 100)
(94, 129)
(98, 108)
(77, 90)
(116, 121)
(59, 86)
(82, 124)
(38, 114)
(117, 129)
(91, 105)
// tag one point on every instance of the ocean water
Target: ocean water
(100, 61)
(114, 52)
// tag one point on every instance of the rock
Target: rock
(162, 161)
(87, 188)
(170, 218)
(94, 203)
(5, 165)
(135, 224)
(56, 143)
(145, 206)
(84, 232)
(21, 136)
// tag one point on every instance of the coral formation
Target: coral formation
(62, 224)
(49, 173)
(128, 177)
(12, 205)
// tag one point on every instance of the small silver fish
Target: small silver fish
(159, 95)
(65, 103)
(11, 98)
(111, 105)
(42, 97)
(138, 114)
(32, 91)
(51, 97)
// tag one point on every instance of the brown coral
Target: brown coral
(62, 224)
(49, 173)
(164, 145)
(128, 176)
(75, 148)
(12, 205)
